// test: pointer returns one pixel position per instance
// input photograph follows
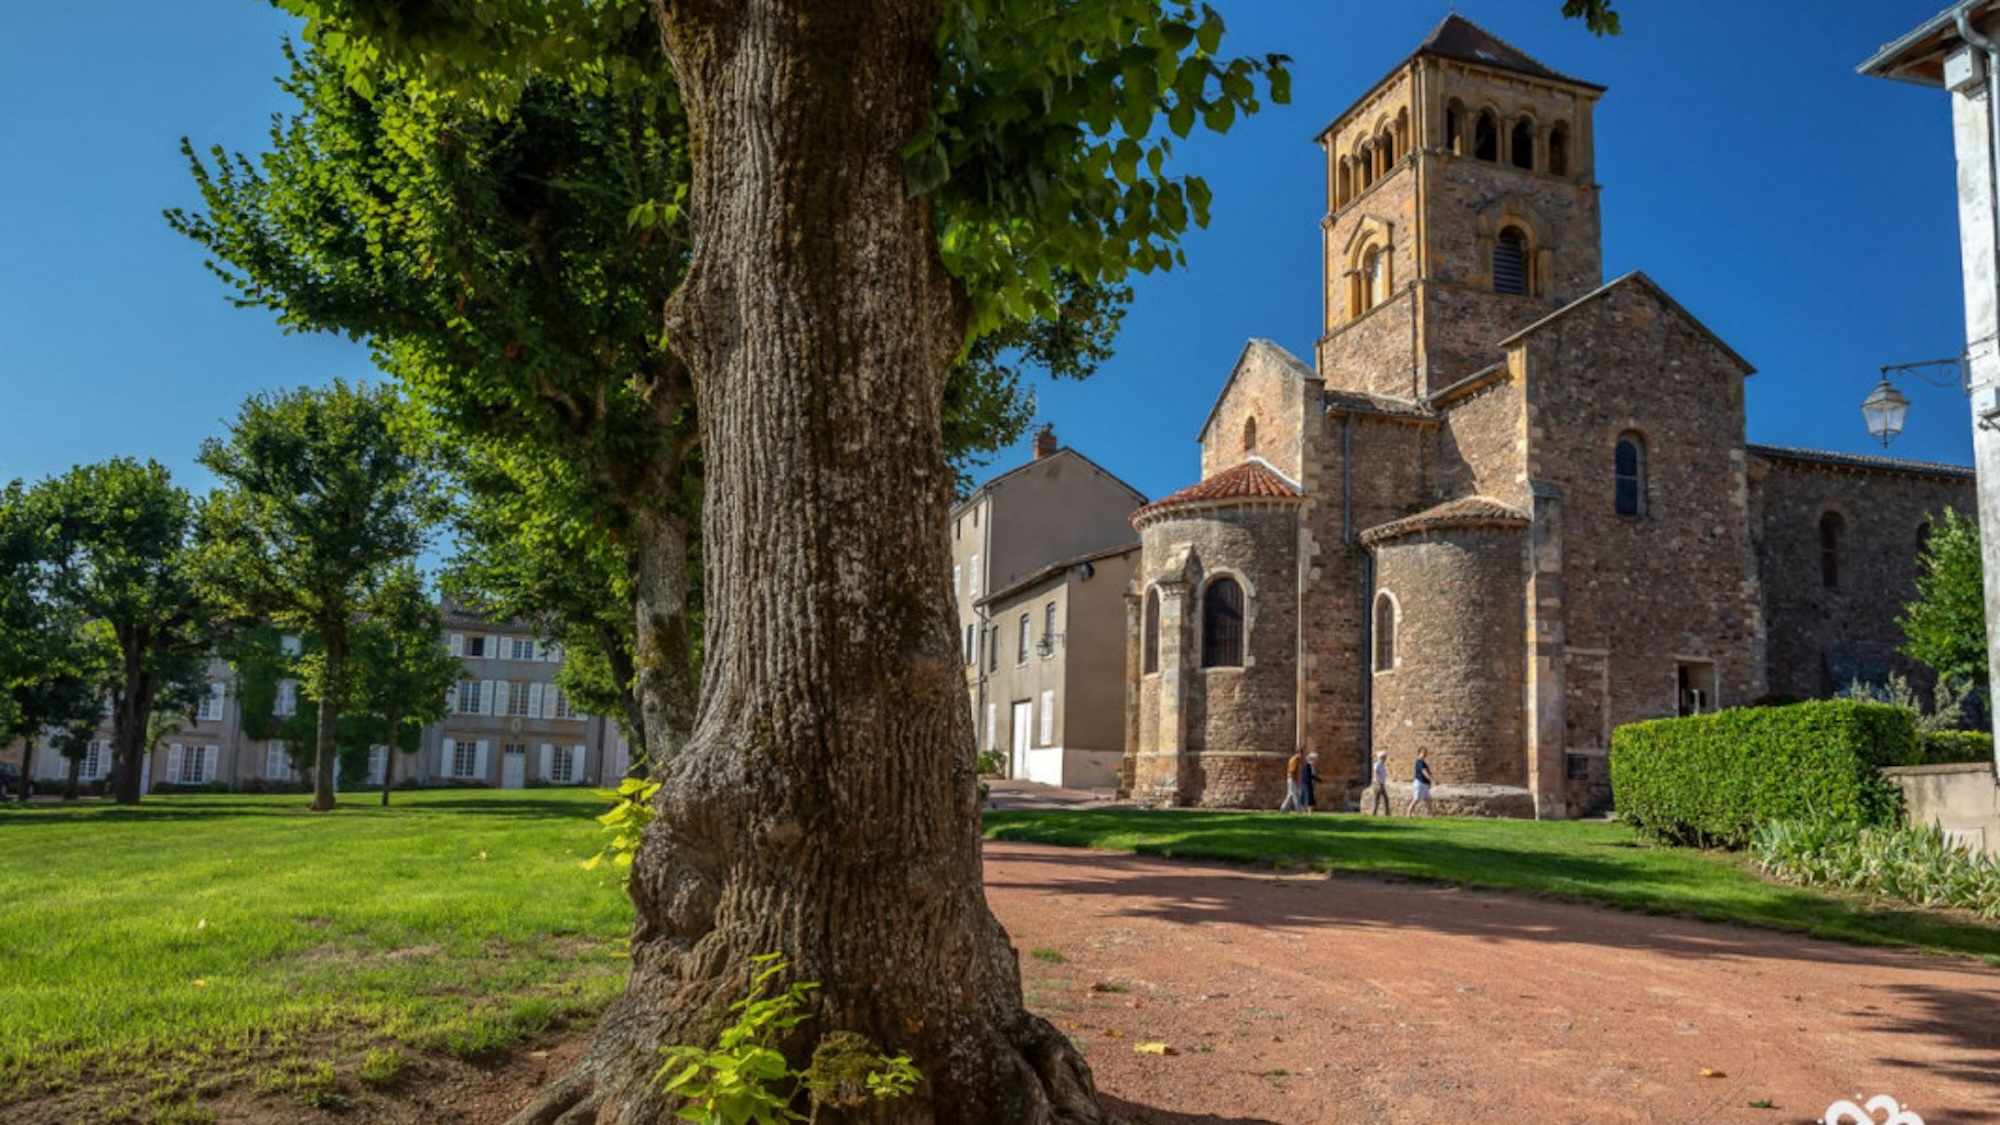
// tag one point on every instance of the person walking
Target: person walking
(1380, 804)
(1292, 767)
(1423, 780)
(1308, 776)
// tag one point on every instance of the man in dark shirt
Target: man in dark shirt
(1423, 779)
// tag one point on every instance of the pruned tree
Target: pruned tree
(320, 499)
(118, 541)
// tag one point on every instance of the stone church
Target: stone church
(1509, 507)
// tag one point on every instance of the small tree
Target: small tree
(320, 499)
(1945, 624)
(403, 670)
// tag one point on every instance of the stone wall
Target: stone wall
(1822, 637)
(1270, 387)
(1457, 686)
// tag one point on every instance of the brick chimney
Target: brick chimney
(1045, 440)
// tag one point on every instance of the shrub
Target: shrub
(167, 788)
(1917, 865)
(1949, 747)
(990, 763)
(1710, 779)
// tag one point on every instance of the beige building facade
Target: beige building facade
(1509, 508)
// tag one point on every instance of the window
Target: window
(1629, 466)
(1364, 164)
(1049, 629)
(517, 699)
(475, 646)
(1694, 687)
(1342, 190)
(287, 702)
(562, 764)
(469, 701)
(1250, 435)
(1832, 539)
(289, 645)
(564, 708)
(1559, 151)
(1021, 650)
(378, 764)
(1454, 128)
(1486, 137)
(523, 648)
(1521, 145)
(210, 709)
(191, 765)
(1149, 632)
(1222, 625)
(1375, 276)
(96, 760)
(1385, 632)
(278, 765)
(1510, 262)
(464, 758)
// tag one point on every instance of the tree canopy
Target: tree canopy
(1944, 626)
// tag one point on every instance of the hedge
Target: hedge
(1710, 779)
(1949, 747)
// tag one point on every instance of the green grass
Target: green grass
(206, 929)
(1576, 861)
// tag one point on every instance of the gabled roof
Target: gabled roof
(1254, 480)
(1460, 39)
(1065, 451)
(1272, 350)
(1469, 511)
(1041, 575)
(1829, 459)
(1638, 278)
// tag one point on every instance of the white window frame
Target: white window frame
(519, 695)
(286, 703)
(469, 697)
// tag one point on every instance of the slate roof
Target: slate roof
(1252, 480)
(1863, 461)
(1470, 511)
(1459, 38)
(1365, 403)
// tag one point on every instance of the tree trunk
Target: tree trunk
(825, 806)
(326, 748)
(132, 712)
(390, 753)
(75, 779)
(664, 646)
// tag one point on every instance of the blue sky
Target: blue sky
(1806, 214)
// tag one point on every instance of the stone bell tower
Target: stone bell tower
(1461, 207)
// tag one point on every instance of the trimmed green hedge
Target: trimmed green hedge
(1710, 779)
(1948, 747)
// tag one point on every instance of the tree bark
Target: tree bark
(663, 675)
(132, 711)
(825, 806)
(326, 749)
(390, 753)
(74, 780)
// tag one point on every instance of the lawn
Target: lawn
(1574, 860)
(237, 930)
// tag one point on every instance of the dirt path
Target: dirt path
(1297, 1000)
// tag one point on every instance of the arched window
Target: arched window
(1559, 150)
(1923, 538)
(1343, 189)
(1249, 435)
(1521, 145)
(1222, 624)
(1486, 137)
(1385, 632)
(1149, 632)
(1375, 277)
(1510, 262)
(1629, 465)
(1832, 543)
(1403, 131)
(1454, 128)
(1364, 167)
(1385, 150)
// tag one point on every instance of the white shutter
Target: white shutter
(989, 725)
(548, 762)
(450, 758)
(535, 699)
(1048, 718)
(451, 700)
(576, 763)
(458, 644)
(479, 760)
(493, 649)
(211, 757)
(173, 761)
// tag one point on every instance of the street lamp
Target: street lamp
(1885, 406)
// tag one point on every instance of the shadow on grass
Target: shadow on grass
(403, 804)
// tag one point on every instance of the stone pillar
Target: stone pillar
(1545, 698)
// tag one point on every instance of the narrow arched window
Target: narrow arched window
(1521, 145)
(1832, 543)
(1403, 131)
(1559, 151)
(1454, 129)
(1364, 164)
(1149, 633)
(1222, 624)
(1343, 189)
(1486, 137)
(1923, 538)
(1385, 147)
(1374, 278)
(1249, 435)
(1385, 632)
(1629, 466)
(1510, 262)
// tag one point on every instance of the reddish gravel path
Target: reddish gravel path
(1302, 999)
